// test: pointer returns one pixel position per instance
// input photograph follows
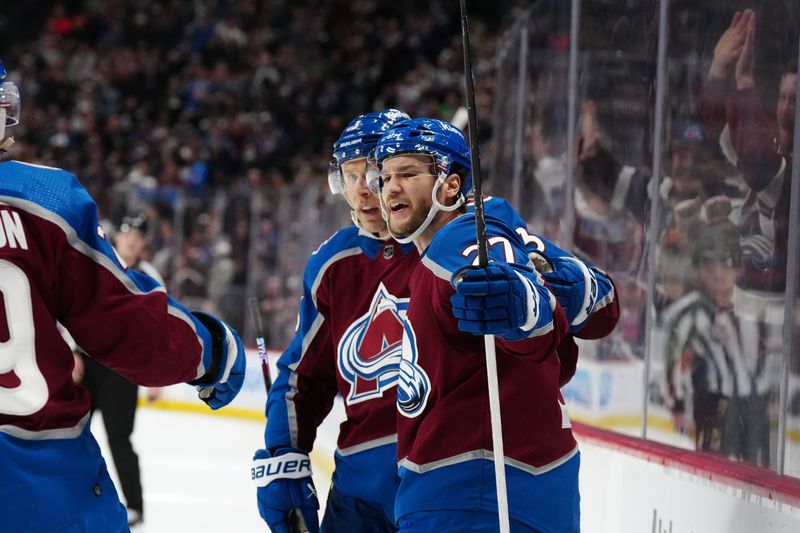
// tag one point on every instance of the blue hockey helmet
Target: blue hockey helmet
(358, 139)
(437, 138)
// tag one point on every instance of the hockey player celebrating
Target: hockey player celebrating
(56, 266)
(444, 436)
(349, 340)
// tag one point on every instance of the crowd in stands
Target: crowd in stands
(217, 118)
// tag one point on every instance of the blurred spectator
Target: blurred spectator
(760, 145)
(174, 106)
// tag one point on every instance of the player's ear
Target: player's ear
(451, 187)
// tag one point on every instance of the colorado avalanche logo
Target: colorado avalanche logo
(758, 234)
(413, 385)
(370, 350)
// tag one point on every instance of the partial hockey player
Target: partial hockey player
(355, 291)
(56, 265)
(444, 437)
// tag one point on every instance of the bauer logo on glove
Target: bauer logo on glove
(287, 466)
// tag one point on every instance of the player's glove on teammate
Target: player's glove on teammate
(495, 300)
(285, 487)
(225, 363)
(575, 287)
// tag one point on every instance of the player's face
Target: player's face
(361, 199)
(406, 192)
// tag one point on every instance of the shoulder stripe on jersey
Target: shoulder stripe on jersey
(78, 244)
(438, 270)
(336, 257)
(489, 456)
(34, 165)
(375, 443)
(46, 434)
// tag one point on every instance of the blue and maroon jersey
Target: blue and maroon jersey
(443, 424)
(57, 266)
(348, 342)
(355, 293)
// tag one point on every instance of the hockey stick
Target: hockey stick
(296, 523)
(483, 260)
(255, 314)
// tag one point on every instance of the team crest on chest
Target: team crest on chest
(388, 251)
(369, 352)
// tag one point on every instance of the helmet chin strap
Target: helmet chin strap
(435, 208)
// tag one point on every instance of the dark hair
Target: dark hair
(130, 222)
(459, 169)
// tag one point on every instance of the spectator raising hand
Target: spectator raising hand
(730, 45)
(746, 62)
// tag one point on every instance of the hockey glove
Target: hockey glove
(575, 287)
(285, 488)
(225, 364)
(495, 300)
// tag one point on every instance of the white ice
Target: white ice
(196, 471)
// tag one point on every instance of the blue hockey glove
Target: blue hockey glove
(495, 300)
(285, 488)
(575, 287)
(225, 363)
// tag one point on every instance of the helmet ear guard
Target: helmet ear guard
(9, 102)
(335, 183)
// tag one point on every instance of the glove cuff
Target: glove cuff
(218, 334)
(291, 465)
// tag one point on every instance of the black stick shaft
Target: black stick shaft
(480, 224)
(261, 343)
(483, 260)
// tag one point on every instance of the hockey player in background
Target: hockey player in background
(56, 265)
(349, 340)
(422, 170)
(355, 288)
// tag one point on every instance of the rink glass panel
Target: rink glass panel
(717, 349)
(699, 357)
